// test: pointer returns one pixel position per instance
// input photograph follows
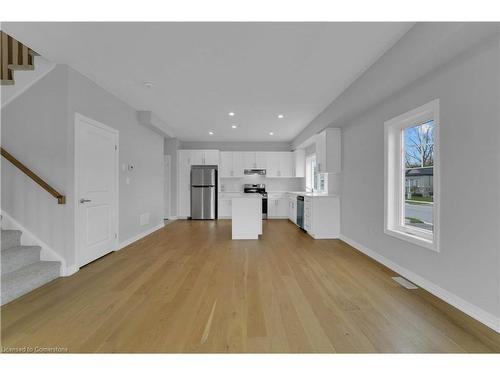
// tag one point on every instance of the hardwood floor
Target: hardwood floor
(189, 288)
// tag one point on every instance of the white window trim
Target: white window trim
(394, 176)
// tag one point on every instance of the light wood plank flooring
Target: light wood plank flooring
(189, 288)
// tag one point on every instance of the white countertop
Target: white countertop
(247, 195)
(303, 193)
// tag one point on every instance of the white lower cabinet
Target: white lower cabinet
(225, 208)
(322, 217)
(226, 204)
(292, 208)
(277, 206)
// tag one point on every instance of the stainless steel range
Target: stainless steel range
(260, 189)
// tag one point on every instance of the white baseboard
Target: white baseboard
(324, 236)
(172, 218)
(70, 270)
(29, 239)
(468, 308)
(139, 236)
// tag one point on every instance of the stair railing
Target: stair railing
(61, 199)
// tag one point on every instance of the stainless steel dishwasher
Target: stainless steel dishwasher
(300, 211)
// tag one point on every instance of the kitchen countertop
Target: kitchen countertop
(247, 195)
(303, 193)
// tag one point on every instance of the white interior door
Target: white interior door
(96, 171)
(168, 186)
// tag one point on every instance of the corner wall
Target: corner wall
(38, 129)
(35, 131)
(467, 266)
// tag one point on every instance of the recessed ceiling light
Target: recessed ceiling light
(234, 126)
(148, 84)
(271, 133)
(211, 133)
(281, 116)
(231, 114)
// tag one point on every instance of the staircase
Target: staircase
(14, 56)
(22, 270)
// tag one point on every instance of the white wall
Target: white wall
(468, 264)
(38, 128)
(171, 146)
(424, 48)
(139, 146)
(35, 131)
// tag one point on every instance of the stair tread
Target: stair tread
(31, 269)
(16, 257)
(10, 238)
(20, 248)
(7, 231)
(28, 278)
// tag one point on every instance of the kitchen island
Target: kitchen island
(246, 218)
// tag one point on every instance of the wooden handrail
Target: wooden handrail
(61, 199)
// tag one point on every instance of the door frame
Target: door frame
(79, 117)
(167, 179)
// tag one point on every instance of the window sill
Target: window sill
(414, 239)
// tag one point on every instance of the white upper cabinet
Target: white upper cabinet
(280, 164)
(276, 164)
(238, 164)
(299, 159)
(231, 164)
(211, 157)
(196, 157)
(328, 151)
(203, 157)
(286, 164)
(254, 160)
(273, 164)
(226, 164)
(249, 160)
(261, 160)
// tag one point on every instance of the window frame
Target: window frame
(394, 176)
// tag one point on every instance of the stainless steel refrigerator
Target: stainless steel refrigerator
(203, 192)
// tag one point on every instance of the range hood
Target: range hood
(260, 172)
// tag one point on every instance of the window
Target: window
(310, 171)
(411, 176)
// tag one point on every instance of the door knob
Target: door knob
(85, 200)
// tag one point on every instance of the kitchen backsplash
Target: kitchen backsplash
(272, 184)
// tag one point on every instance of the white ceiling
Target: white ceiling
(202, 71)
